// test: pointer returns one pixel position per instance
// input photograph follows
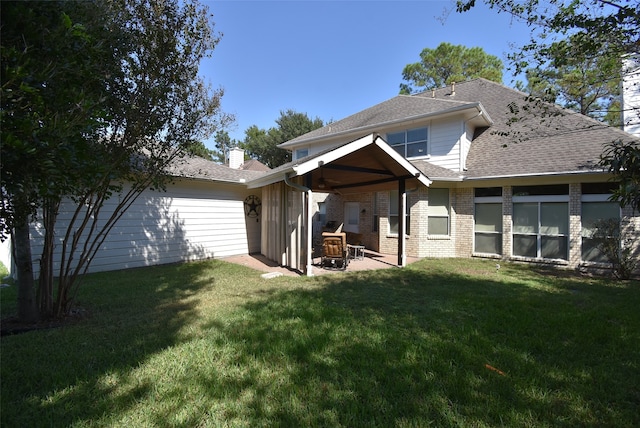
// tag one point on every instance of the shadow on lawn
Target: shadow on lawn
(62, 376)
(414, 348)
(393, 347)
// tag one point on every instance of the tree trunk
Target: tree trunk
(27, 308)
(45, 282)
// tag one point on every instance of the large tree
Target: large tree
(449, 63)
(263, 144)
(100, 98)
(588, 85)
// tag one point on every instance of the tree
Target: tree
(223, 145)
(197, 148)
(595, 31)
(50, 98)
(449, 63)
(590, 86)
(141, 108)
(263, 145)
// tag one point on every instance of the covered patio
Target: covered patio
(368, 164)
(370, 261)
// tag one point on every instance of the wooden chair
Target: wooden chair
(334, 250)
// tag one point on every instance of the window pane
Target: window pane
(393, 202)
(554, 218)
(395, 138)
(399, 149)
(419, 134)
(439, 202)
(594, 211)
(488, 218)
(438, 226)
(525, 218)
(590, 251)
(416, 149)
(552, 189)
(488, 243)
(393, 224)
(487, 191)
(553, 247)
(525, 245)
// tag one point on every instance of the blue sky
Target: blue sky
(330, 59)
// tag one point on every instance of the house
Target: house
(469, 170)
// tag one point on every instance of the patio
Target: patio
(370, 261)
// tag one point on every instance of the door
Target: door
(351, 217)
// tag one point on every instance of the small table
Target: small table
(357, 251)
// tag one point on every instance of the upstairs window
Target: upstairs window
(410, 143)
(301, 153)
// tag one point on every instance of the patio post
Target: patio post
(402, 226)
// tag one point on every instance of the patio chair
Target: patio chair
(334, 250)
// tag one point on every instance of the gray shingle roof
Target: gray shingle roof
(545, 139)
(203, 169)
(395, 109)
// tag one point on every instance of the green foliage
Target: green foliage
(111, 96)
(449, 63)
(263, 144)
(223, 145)
(588, 85)
(563, 29)
(617, 246)
(197, 148)
(623, 160)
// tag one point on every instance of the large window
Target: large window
(596, 207)
(541, 222)
(411, 143)
(438, 218)
(393, 214)
(488, 220)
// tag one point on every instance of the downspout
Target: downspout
(463, 158)
(309, 193)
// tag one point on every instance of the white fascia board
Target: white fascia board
(402, 161)
(329, 157)
(274, 177)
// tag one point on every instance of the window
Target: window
(488, 220)
(541, 229)
(438, 219)
(393, 213)
(411, 143)
(301, 153)
(322, 213)
(351, 217)
(541, 221)
(596, 206)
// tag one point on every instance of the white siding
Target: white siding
(192, 220)
(444, 138)
(631, 95)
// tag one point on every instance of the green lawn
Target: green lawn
(440, 343)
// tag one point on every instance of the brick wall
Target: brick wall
(575, 225)
(464, 222)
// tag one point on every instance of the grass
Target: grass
(440, 343)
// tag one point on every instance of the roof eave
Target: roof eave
(363, 129)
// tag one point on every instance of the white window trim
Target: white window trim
(425, 156)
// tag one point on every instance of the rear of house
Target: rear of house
(510, 179)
